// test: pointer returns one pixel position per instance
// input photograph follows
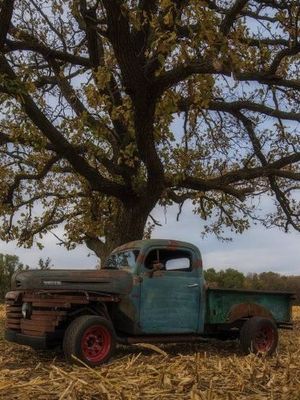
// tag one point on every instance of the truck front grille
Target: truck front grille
(13, 303)
(46, 313)
(48, 310)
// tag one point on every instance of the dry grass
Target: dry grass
(204, 371)
(296, 313)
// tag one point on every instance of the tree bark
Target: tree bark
(127, 224)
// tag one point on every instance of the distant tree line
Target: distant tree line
(9, 264)
(231, 278)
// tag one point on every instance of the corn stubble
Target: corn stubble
(206, 371)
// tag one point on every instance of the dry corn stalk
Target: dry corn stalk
(205, 371)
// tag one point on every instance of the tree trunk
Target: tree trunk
(127, 224)
(129, 220)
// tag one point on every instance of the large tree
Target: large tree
(110, 107)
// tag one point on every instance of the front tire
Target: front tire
(259, 336)
(90, 339)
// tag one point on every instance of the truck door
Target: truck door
(170, 292)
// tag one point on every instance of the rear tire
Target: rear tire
(90, 339)
(259, 336)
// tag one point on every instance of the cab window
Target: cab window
(169, 260)
(125, 260)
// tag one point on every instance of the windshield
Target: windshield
(125, 260)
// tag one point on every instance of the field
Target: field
(214, 371)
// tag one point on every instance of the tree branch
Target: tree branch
(234, 106)
(20, 177)
(62, 146)
(124, 47)
(266, 78)
(6, 13)
(292, 51)
(231, 15)
(280, 195)
(181, 72)
(238, 176)
(90, 18)
(33, 45)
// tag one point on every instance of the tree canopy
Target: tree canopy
(110, 107)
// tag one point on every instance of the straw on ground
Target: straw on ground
(205, 371)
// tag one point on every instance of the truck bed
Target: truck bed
(222, 304)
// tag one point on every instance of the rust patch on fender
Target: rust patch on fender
(245, 310)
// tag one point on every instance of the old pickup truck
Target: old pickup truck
(147, 291)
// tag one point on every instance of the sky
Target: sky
(256, 250)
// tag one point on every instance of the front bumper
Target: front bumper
(35, 342)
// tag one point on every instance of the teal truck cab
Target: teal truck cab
(147, 291)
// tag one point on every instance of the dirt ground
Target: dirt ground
(205, 371)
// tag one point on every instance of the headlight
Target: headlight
(26, 310)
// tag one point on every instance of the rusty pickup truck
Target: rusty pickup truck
(147, 291)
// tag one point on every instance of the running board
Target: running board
(160, 339)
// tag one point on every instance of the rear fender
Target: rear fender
(247, 310)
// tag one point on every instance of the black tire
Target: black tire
(259, 335)
(90, 339)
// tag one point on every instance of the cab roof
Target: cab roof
(145, 244)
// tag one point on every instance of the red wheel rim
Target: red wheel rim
(96, 343)
(264, 339)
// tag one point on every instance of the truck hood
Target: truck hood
(104, 281)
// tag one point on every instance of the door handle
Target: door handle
(193, 285)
